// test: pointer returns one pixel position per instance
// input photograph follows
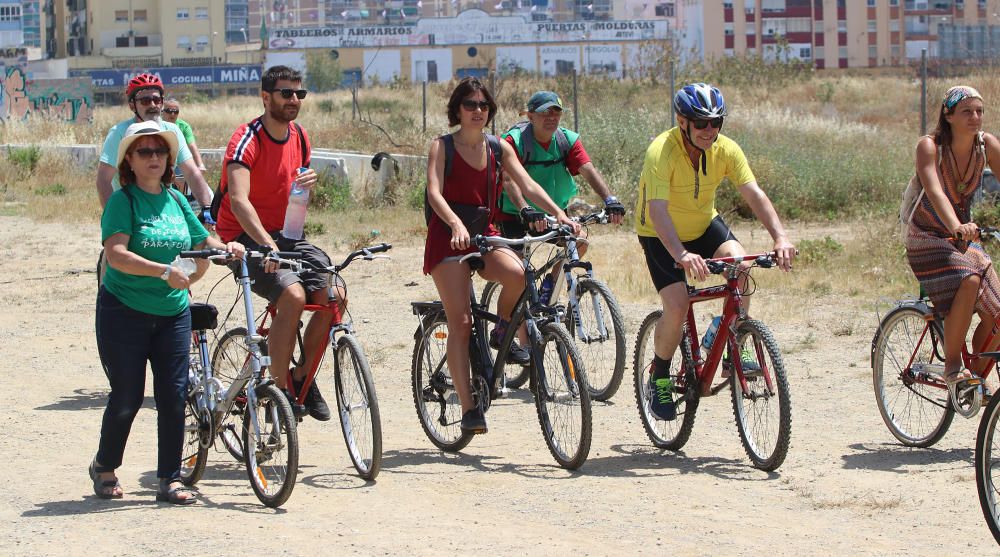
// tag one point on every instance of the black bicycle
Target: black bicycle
(557, 376)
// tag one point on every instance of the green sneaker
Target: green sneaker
(661, 399)
(748, 359)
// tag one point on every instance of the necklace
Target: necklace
(964, 177)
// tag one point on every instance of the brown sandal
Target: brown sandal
(172, 495)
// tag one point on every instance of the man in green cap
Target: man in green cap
(552, 155)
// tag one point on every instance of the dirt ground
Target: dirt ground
(846, 487)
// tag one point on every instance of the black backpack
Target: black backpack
(528, 144)
(449, 155)
(219, 192)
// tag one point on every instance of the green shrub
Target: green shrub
(313, 228)
(331, 193)
(51, 189)
(25, 158)
(815, 251)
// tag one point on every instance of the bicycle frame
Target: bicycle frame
(732, 311)
(968, 358)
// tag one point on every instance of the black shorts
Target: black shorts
(661, 264)
(271, 285)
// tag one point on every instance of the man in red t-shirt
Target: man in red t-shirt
(261, 161)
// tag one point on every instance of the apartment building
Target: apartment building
(836, 33)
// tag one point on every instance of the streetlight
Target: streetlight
(211, 44)
(246, 44)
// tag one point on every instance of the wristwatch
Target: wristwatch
(610, 199)
(166, 273)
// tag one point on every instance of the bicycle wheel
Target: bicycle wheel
(228, 359)
(197, 439)
(763, 412)
(434, 395)
(665, 434)
(269, 435)
(599, 337)
(917, 414)
(357, 406)
(988, 464)
(562, 397)
(517, 375)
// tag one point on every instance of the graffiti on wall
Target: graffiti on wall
(70, 100)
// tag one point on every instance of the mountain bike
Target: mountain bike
(556, 371)
(593, 317)
(268, 439)
(907, 361)
(350, 372)
(748, 353)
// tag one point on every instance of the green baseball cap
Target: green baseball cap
(544, 100)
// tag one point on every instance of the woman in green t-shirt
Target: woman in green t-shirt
(142, 306)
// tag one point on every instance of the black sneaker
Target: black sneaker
(315, 404)
(298, 410)
(518, 354)
(474, 422)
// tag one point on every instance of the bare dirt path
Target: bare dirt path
(845, 488)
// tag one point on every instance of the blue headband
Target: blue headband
(959, 93)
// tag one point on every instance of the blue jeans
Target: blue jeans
(126, 340)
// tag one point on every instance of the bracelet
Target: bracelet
(681, 256)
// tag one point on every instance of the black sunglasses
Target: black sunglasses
(702, 124)
(146, 101)
(171, 111)
(287, 93)
(146, 152)
(471, 105)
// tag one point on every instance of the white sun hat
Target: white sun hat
(139, 129)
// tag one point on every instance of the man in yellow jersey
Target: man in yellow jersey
(676, 219)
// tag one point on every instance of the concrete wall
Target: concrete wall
(353, 168)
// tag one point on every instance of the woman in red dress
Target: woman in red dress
(471, 182)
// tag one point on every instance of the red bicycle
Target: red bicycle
(357, 403)
(747, 351)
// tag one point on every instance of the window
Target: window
(201, 43)
(201, 13)
(121, 42)
(182, 13)
(894, 50)
(872, 26)
(894, 3)
(12, 13)
(120, 15)
(841, 25)
(842, 52)
(872, 51)
(139, 15)
(871, 3)
(184, 41)
(894, 26)
(818, 52)
(141, 40)
(805, 53)
(727, 29)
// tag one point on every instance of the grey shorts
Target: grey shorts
(271, 285)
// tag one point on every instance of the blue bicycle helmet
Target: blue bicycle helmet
(699, 101)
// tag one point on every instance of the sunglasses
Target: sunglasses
(287, 93)
(146, 101)
(471, 105)
(146, 152)
(702, 124)
(171, 111)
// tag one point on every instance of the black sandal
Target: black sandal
(105, 489)
(166, 494)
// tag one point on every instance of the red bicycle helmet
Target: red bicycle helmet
(143, 81)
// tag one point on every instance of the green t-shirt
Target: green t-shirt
(555, 179)
(162, 226)
(186, 130)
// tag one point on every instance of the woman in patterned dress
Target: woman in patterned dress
(940, 244)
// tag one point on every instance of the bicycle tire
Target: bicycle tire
(517, 375)
(194, 453)
(604, 359)
(276, 452)
(672, 434)
(987, 452)
(765, 437)
(563, 379)
(917, 415)
(228, 359)
(438, 407)
(357, 406)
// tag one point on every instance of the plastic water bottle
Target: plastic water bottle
(184, 265)
(713, 329)
(295, 214)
